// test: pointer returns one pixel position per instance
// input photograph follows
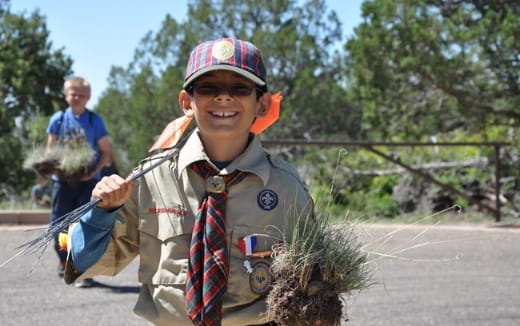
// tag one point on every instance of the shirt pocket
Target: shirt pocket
(165, 236)
(250, 277)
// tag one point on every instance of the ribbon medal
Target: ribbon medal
(247, 245)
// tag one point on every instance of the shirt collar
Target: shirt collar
(253, 159)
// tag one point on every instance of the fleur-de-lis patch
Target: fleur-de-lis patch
(267, 199)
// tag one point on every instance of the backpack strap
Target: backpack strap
(91, 116)
(60, 123)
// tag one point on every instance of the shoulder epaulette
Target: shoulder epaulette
(282, 164)
(158, 155)
(155, 156)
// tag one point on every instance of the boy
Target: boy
(41, 193)
(205, 221)
(74, 127)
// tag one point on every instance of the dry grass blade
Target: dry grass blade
(373, 247)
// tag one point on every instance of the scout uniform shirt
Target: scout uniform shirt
(157, 221)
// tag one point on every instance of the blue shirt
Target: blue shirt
(91, 237)
(74, 129)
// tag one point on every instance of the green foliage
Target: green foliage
(297, 42)
(359, 184)
(36, 130)
(427, 67)
(31, 81)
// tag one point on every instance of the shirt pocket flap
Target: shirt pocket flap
(164, 226)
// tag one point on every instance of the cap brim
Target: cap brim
(237, 70)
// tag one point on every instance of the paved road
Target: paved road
(447, 276)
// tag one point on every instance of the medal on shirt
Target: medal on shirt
(247, 245)
(259, 272)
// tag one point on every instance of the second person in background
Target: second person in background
(75, 127)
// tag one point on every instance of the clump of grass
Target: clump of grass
(69, 162)
(317, 262)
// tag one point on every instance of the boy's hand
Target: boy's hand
(113, 191)
(88, 176)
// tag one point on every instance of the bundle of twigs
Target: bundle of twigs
(70, 163)
(317, 263)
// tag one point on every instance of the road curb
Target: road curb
(40, 216)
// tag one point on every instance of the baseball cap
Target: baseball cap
(236, 55)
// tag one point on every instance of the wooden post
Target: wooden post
(497, 183)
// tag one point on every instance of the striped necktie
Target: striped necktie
(208, 262)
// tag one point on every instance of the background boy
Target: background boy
(204, 221)
(73, 127)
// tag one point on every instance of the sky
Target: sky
(99, 34)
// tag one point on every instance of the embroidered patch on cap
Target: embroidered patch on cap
(267, 199)
(223, 50)
(260, 278)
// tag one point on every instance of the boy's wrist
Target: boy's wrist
(100, 218)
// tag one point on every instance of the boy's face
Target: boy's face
(77, 97)
(225, 104)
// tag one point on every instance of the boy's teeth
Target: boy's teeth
(223, 114)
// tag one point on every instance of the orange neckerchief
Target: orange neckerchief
(175, 129)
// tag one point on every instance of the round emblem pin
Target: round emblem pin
(267, 199)
(260, 278)
(215, 184)
(223, 50)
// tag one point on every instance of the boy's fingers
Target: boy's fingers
(113, 191)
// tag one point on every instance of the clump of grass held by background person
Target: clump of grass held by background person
(317, 263)
(71, 163)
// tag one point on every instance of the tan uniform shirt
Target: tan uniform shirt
(157, 222)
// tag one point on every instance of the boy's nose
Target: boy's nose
(223, 95)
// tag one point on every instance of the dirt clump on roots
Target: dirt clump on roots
(317, 304)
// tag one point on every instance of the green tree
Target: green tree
(426, 67)
(299, 42)
(31, 82)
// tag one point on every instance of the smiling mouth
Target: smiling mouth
(224, 114)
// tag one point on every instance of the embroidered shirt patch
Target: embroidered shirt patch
(260, 278)
(267, 199)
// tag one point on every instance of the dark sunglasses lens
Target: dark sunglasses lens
(206, 90)
(214, 90)
(240, 90)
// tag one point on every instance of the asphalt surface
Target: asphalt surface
(423, 276)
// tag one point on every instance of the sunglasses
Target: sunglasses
(214, 90)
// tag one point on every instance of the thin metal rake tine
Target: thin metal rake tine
(66, 220)
(13, 257)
